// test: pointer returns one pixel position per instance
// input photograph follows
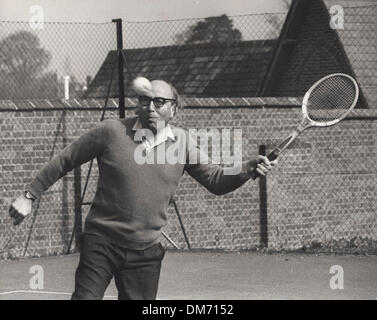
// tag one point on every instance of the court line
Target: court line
(44, 292)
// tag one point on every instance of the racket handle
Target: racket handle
(271, 156)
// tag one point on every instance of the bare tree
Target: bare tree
(23, 67)
(211, 29)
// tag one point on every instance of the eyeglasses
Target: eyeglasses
(157, 101)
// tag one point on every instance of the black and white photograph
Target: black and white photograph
(201, 151)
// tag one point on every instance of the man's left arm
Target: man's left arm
(219, 180)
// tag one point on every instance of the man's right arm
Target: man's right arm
(84, 149)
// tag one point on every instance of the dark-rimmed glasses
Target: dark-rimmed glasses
(157, 101)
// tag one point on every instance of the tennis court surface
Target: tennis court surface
(212, 275)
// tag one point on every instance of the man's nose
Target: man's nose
(151, 106)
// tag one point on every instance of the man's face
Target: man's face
(150, 114)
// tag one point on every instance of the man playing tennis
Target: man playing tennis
(123, 228)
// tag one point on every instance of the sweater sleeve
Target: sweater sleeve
(84, 149)
(211, 176)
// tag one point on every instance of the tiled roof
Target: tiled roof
(203, 70)
(360, 43)
(238, 69)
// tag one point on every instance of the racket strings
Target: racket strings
(331, 99)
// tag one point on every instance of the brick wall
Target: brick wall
(322, 195)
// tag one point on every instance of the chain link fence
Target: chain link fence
(34, 62)
(223, 29)
(202, 57)
(320, 199)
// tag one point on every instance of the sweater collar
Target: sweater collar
(162, 135)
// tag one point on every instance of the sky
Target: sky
(133, 10)
(84, 47)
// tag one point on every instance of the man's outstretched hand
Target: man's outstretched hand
(261, 164)
(20, 208)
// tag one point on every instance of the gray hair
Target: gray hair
(177, 97)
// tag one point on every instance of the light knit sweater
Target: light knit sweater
(130, 204)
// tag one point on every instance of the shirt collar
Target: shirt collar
(161, 136)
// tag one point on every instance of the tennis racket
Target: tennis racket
(327, 102)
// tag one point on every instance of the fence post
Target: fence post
(120, 67)
(78, 209)
(263, 222)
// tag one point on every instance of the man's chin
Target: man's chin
(152, 125)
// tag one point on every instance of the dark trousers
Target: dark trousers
(136, 272)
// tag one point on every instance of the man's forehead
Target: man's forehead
(162, 88)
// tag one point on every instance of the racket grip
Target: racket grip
(271, 156)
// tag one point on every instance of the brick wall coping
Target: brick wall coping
(200, 103)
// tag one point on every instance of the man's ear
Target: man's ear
(173, 111)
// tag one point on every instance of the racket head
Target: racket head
(329, 100)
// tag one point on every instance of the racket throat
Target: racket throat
(282, 146)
